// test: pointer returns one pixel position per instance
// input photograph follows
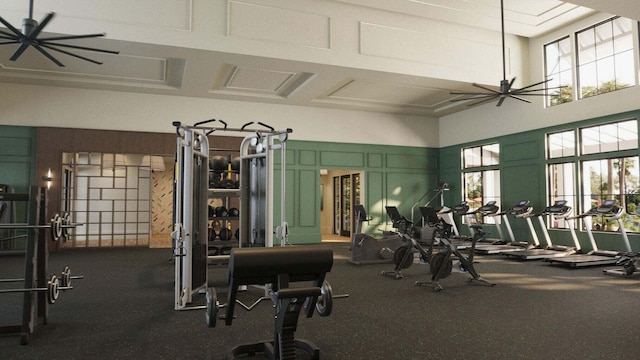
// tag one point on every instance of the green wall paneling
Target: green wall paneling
(18, 161)
(412, 169)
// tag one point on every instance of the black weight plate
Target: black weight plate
(324, 304)
(212, 307)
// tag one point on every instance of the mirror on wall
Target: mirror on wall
(121, 199)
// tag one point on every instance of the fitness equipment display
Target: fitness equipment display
(191, 193)
(596, 257)
(559, 210)
(279, 267)
(365, 249)
(441, 263)
(519, 210)
(39, 289)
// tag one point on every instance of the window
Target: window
(562, 187)
(558, 71)
(612, 179)
(561, 144)
(610, 137)
(481, 179)
(608, 170)
(605, 55)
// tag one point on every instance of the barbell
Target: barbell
(54, 285)
(59, 226)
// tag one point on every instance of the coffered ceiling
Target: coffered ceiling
(249, 65)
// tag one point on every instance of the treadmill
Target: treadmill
(559, 210)
(596, 257)
(520, 209)
(446, 214)
(489, 209)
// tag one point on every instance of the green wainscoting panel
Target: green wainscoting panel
(308, 189)
(401, 161)
(374, 189)
(374, 160)
(307, 157)
(528, 150)
(342, 159)
(15, 146)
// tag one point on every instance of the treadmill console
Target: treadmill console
(608, 207)
(559, 207)
(489, 208)
(461, 208)
(521, 207)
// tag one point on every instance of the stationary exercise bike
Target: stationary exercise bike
(441, 263)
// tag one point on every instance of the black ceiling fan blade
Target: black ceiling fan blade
(48, 46)
(521, 99)
(486, 88)
(10, 42)
(533, 91)
(501, 100)
(19, 52)
(42, 42)
(475, 97)
(470, 93)
(71, 37)
(46, 53)
(10, 27)
(34, 34)
(534, 85)
(485, 101)
(7, 35)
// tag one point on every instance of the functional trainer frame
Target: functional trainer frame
(190, 215)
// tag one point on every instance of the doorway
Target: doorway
(341, 189)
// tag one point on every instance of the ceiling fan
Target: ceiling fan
(506, 90)
(29, 37)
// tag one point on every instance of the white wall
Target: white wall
(514, 116)
(30, 105)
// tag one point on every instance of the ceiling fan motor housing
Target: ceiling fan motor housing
(28, 25)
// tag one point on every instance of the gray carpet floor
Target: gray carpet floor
(123, 309)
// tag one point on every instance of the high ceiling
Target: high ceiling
(154, 66)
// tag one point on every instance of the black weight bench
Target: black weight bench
(281, 267)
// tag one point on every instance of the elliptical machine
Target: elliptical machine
(365, 249)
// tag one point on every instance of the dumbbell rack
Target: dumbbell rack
(35, 308)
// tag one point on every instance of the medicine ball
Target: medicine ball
(234, 212)
(211, 212)
(218, 163)
(235, 164)
(221, 211)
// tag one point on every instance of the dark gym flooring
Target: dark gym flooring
(123, 309)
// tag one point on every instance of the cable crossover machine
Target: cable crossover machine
(191, 193)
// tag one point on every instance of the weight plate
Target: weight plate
(212, 307)
(66, 222)
(439, 262)
(65, 278)
(53, 290)
(324, 304)
(56, 227)
(399, 258)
